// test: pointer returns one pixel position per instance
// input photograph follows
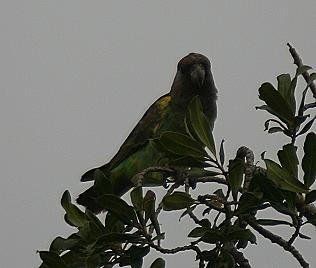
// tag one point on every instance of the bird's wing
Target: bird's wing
(145, 129)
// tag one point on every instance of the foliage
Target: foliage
(130, 231)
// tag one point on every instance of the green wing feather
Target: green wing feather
(148, 127)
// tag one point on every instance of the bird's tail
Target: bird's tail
(89, 199)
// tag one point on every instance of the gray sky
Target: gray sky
(76, 76)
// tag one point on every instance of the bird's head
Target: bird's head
(193, 77)
(194, 69)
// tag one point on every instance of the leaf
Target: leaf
(212, 237)
(275, 130)
(302, 69)
(149, 204)
(248, 201)
(181, 144)
(93, 261)
(198, 231)
(225, 260)
(119, 208)
(269, 222)
(276, 102)
(52, 260)
(119, 238)
(137, 198)
(89, 232)
(74, 215)
(288, 159)
(158, 263)
(312, 220)
(309, 159)
(60, 244)
(187, 161)
(137, 253)
(241, 235)
(307, 126)
(200, 124)
(310, 197)
(283, 179)
(235, 175)
(177, 201)
(284, 82)
(222, 153)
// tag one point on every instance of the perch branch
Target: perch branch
(298, 61)
(278, 240)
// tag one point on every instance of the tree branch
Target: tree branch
(278, 240)
(298, 61)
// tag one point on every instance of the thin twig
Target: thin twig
(298, 61)
(138, 179)
(278, 240)
(297, 231)
(211, 179)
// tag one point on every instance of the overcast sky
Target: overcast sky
(76, 76)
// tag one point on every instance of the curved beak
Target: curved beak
(197, 74)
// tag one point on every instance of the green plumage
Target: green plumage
(166, 114)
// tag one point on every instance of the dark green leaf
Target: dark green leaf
(158, 263)
(304, 236)
(284, 82)
(288, 159)
(198, 231)
(282, 178)
(177, 201)
(249, 201)
(137, 254)
(93, 261)
(222, 153)
(307, 126)
(137, 198)
(181, 144)
(74, 259)
(276, 102)
(241, 235)
(119, 208)
(92, 218)
(114, 238)
(312, 220)
(269, 222)
(212, 237)
(200, 124)
(219, 192)
(235, 175)
(309, 159)
(89, 232)
(113, 224)
(275, 130)
(60, 244)
(52, 260)
(310, 197)
(225, 260)
(186, 161)
(149, 204)
(74, 215)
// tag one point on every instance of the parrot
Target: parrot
(193, 78)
